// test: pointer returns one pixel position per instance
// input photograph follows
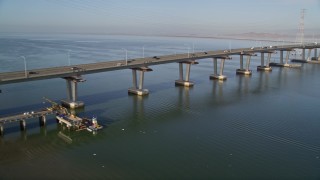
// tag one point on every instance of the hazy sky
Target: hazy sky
(171, 17)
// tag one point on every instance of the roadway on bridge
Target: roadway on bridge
(81, 69)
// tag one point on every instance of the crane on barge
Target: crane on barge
(73, 121)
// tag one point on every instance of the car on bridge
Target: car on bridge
(156, 57)
(76, 69)
(33, 72)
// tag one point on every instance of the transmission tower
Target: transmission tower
(301, 26)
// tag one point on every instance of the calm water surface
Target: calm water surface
(261, 127)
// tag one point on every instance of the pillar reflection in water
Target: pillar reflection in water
(283, 76)
(1, 130)
(217, 89)
(43, 131)
(263, 82)
(138, 111)
(243, 84)
(23, 135)
(184, 99)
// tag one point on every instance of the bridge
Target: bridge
(41, 114)
(74, 74)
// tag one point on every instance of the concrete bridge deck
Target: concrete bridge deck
(72, 74)
(81, 69)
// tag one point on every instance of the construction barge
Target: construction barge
(77, 123)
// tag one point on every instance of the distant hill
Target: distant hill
(273, 36)
(254, 35)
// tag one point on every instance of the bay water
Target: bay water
(264, 126)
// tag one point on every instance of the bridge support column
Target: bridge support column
(42, 121)
(262, 59)
(215, 74)
(315, 54)
(319, 57)
(264, 67)
(72, 92)
(281, 57)
(291, 65)
(287, 59)
(1, 130)
(245, 71)
(185, 82)
(303, 54)
(286, 63)
(135, 89)
(134, 79)
(215, 66)
(241, 61)
(23, 125)
(309, 55)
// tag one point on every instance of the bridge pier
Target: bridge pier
(246, 70)
(72, 92)
(215, 74)
(135, 89)
(287, 59)
(286, 63)
(241, 61)
(303, 54)
(23, 125)
(185, 82)
(303, 58)
(264, 67)
(281, 56)
(315, 54)
(315, 57)
(309, 55)
(42, 121)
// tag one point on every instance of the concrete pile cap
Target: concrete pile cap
(266, 51)
(189, 62)
(222, 57)
(247, 53)
(286, 49)
(144, 69)
(75, 78)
